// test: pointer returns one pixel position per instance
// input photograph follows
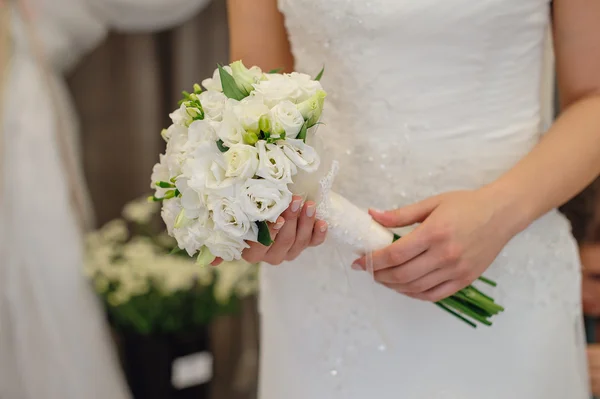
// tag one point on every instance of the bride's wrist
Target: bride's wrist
(512, 206)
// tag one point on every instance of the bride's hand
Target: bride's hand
(295, 230)
(460, 235)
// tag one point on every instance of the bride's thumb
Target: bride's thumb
(405, 216)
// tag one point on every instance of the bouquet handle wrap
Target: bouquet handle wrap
(349, 224)
(353, 226)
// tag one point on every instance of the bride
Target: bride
(434, 114)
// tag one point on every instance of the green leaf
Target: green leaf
(303, 130)
(320, 75)
(396, 237)
(264, 236)
(175, 250)
(222, 146)
(276, 70)
(230, 88)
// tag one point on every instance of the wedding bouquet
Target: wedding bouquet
(237, 151)
(146, 290)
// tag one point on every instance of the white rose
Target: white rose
(277, 88)
(214, 84)
(307, 85)
(286, 116)
(242, 161)
(303, 156)
(213, 104)
(249, 111)
(273, 164)
(264, 199)
(229, 217)
(226, 247)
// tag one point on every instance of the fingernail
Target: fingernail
(376, 210)
(296, 205)
(356, 266)
(323, 228)
(310, 210)
(279, 224)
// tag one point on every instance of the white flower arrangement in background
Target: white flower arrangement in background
(147, 289)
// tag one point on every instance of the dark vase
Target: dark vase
(175, 366)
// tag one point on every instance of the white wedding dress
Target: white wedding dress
(54, 343)
(425, 96)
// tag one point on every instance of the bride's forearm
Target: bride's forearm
(565, 161)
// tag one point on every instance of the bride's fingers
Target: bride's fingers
(407, 215)
(413, 270)
(319, 233)
(408, 247)
(257, 251)
(287, 236)
(304, 230)
(441, 291)
(423, 284)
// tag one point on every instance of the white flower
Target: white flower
(199, 132)
(193, 236)
(170, 210)
(277, 88)
(308, 86)
(303, 156)
(196, 167)
(115, 231)
(264, 199)
(213, 104)
(249, 111)
(214, 84)
(244, 77)
(216, 177)
(160, 173)
(273, 164)
(140, 211)
(226, 247)
(230, 218)
(242, 161)
(183, 116)
(174, 154)
(286, 116)
(231, 130)
(174, 130)
(193, 204)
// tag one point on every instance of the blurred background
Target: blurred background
(181, 331)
